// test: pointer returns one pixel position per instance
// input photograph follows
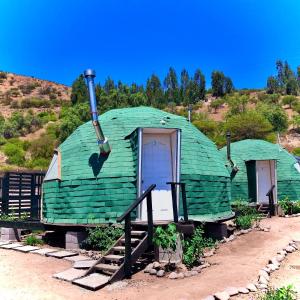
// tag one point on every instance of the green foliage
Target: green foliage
(245, 214)
(193, 247)
(284, 293)
(289, 100)
(216, 104)
(289, 207)
(166, 238)
(15, 153)
(79, 91)
(35, 102)
(102, 238)
(32, 240)
(296, 151)
(220, 84)
(248, 125)
(237, 104)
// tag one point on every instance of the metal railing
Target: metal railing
(270, 194)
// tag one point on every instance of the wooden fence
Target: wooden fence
(20, 194)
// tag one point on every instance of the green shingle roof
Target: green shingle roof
(288, 178)
(93, 191)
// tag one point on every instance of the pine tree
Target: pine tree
(79, 92)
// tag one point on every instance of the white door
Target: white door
(265, 179)
(157, 169)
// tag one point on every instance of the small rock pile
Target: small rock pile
(292, 216)
(263, 276)
(158, 269)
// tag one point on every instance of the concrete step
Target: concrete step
(93, 281)
(114, 257)
(107, 268)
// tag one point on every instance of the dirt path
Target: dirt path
(29, 276)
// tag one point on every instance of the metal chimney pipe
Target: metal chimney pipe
(228, 141)
(101, 139)
(190, 113)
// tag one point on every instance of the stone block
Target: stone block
(44, 251)
(84, 264)
(77, 258)
(74, 239)
(70, 274)
(10, 234)
(61, 254)
(93, 282)
(27, 248)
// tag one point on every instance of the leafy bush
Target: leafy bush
(102, 238)
(35, 102)
(289, 100)
(289, 207)
(15, 154)
(245, 214)
(193, 247)
(32, 240)
(166, 238)
(284, 293)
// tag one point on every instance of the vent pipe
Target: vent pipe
(101, 139)
(235, 169)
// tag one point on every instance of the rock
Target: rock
(251, 287)
(273, 267)
(231, 291)
(173, 275)
(237, 233)
(263, 280)
(264, 274)
(268, 226)
(188, 273)
(243, 290)
(210, 297)
(222, 296)
(262, 286)
(180, 275)
(117, 285)
(196, 269)
(280, 258)
(160, 273)
(231, 238)
(148, 268)
(289, 249)
(267, 270)
(282, 252)
(266, 230)
(152, 272)
(244, 231)
(294, 245)
(156, 265)
(194, 273)
(205, 265)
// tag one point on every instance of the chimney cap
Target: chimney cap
(89, 72)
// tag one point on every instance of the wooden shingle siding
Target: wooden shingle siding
(94, 189)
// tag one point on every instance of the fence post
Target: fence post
(127, 261)
(174, 201)
(184, 204)
(150, 219)
(5, 193)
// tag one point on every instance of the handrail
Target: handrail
(271, 201)
(136, 203)
(174, 200)
(270, 190)
(126, 216)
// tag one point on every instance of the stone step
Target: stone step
(107, 268)
(11, 246)
(84, 264)
(114, 257)
(27, 248)
(61, 254)
(93, 281)
(44, 251)
(70, 274)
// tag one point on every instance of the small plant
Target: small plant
(102, 238)
(244, 222)
(284, 293)
(193, 247)
(32, 240)
(166, 239)
(286, 205)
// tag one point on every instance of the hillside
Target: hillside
(37, 115)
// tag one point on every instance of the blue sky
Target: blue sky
(130, 39)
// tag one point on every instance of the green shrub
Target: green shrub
(166, 238)
(296, 151)
(284, 293)
(286, 205)
(102, 238)
(289, 100)
(15, 154)
(244, 222)
(32, 240)
(245, 215)
(193, 247)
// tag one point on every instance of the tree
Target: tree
(248, 125)
(217, 83)
(289, 100)
(109, 85)
(292, 87)
(199, 80)
(237, 104)
(154, 91)
(171, 86)
(229, 88)
(272, 85)
(216, 104)
(79, 92)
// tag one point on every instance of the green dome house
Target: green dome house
(148, 146)
(260, 166)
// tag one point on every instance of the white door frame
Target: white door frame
(273, 170)
(177, 167)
